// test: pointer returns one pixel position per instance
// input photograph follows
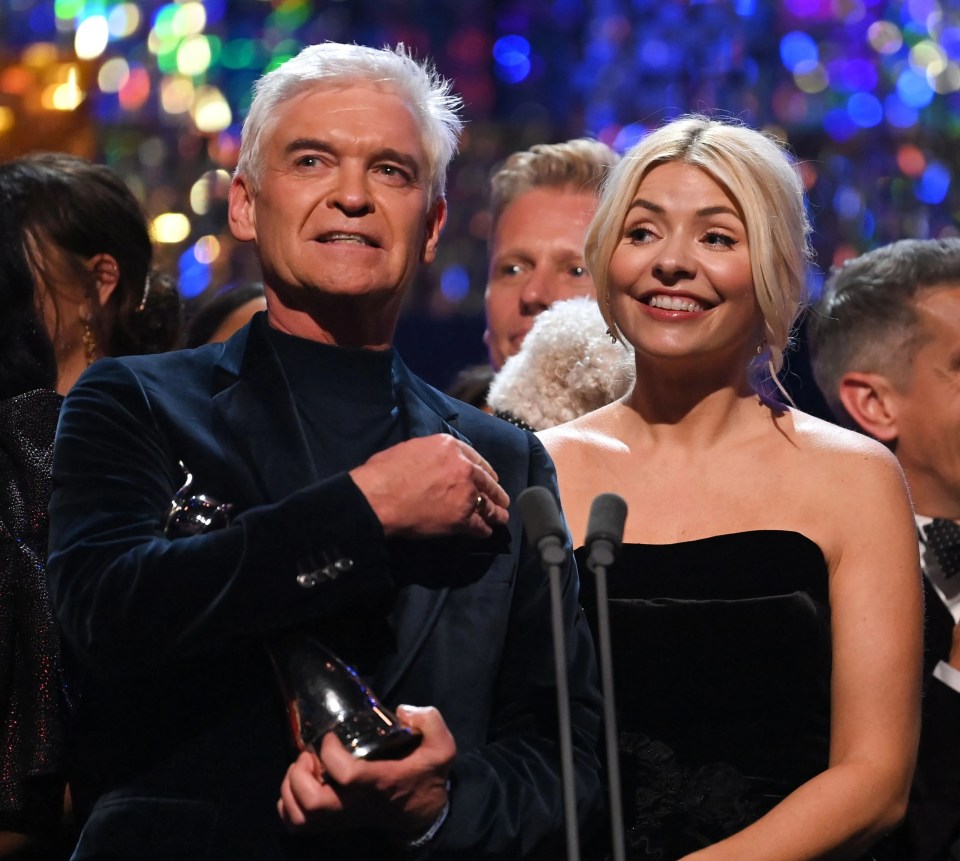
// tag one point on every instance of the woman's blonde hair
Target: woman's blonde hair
(757, 172)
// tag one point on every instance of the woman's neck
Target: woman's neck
(69, 369)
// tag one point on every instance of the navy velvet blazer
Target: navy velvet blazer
(179, 736)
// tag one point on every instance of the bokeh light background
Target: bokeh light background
(866, 93)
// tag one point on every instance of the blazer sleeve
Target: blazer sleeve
(932, 823)
(126, 595)
(506, 796)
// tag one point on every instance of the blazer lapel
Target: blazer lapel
(417, 607)
(261, 414)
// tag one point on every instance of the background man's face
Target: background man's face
(536, 259)
(928, 406)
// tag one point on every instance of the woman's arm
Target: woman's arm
(876, 622)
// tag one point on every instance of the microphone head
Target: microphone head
(608, 514)
(541, 515)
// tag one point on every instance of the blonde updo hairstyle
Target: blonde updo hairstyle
(758, 174)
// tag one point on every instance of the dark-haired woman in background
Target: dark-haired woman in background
(75, 284)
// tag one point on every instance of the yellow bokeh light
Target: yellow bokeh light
(929, 57)
(113, 75)
(947, 81)
(176, 95)
(170, 227)
(207, 249)
(811, 77)
(211, 113)
(7, 119)
(214, 183)
(40, 55)
(189, 19)
(123, 20)
(193, 56)
(91, 38)
(63, 97)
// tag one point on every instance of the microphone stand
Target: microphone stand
(563, 711)
(602, 544)
(545, 530)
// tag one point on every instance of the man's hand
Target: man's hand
(432, 486)
(336, 790)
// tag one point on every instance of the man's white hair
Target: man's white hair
(334, 64)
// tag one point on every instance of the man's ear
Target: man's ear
(107, 274)
(241, 213)
(872, 402)
(436, 218)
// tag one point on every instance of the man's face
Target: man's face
(928, 406)
(343, 205)
(536, 259)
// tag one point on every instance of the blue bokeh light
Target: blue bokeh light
(852, 75)
(455, 283)
(913, 89)
(796, 48)
(194, 276)
(847, 202)
(839, 125)
(865, 110)
(898, 114)
(933, 185)
(629, 136)
(42, 19)
(512, 56)
(950, 42)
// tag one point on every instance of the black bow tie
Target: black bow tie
(942, 537)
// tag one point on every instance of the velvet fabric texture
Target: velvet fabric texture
(722, 674)
(180, 735)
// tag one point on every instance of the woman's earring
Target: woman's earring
(90, 346)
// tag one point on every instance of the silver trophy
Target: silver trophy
(322, 693)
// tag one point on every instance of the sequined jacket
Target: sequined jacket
(31, 740)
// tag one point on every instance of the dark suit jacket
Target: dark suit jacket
(932, 823)
(180, 737)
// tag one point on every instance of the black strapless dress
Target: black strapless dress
(721, 651)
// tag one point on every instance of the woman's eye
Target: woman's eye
(639, 234)
(720, 239)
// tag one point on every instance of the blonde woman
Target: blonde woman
(766, 608)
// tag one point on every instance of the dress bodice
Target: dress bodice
(722, 679)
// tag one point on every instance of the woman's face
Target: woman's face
(680, 279)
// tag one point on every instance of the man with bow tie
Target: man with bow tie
(885, 343)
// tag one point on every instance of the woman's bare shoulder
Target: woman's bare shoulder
(588, 435)
(852, 462)
(828, 439)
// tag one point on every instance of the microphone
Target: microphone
(545, 531)
(608, 514)
(544, 525)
